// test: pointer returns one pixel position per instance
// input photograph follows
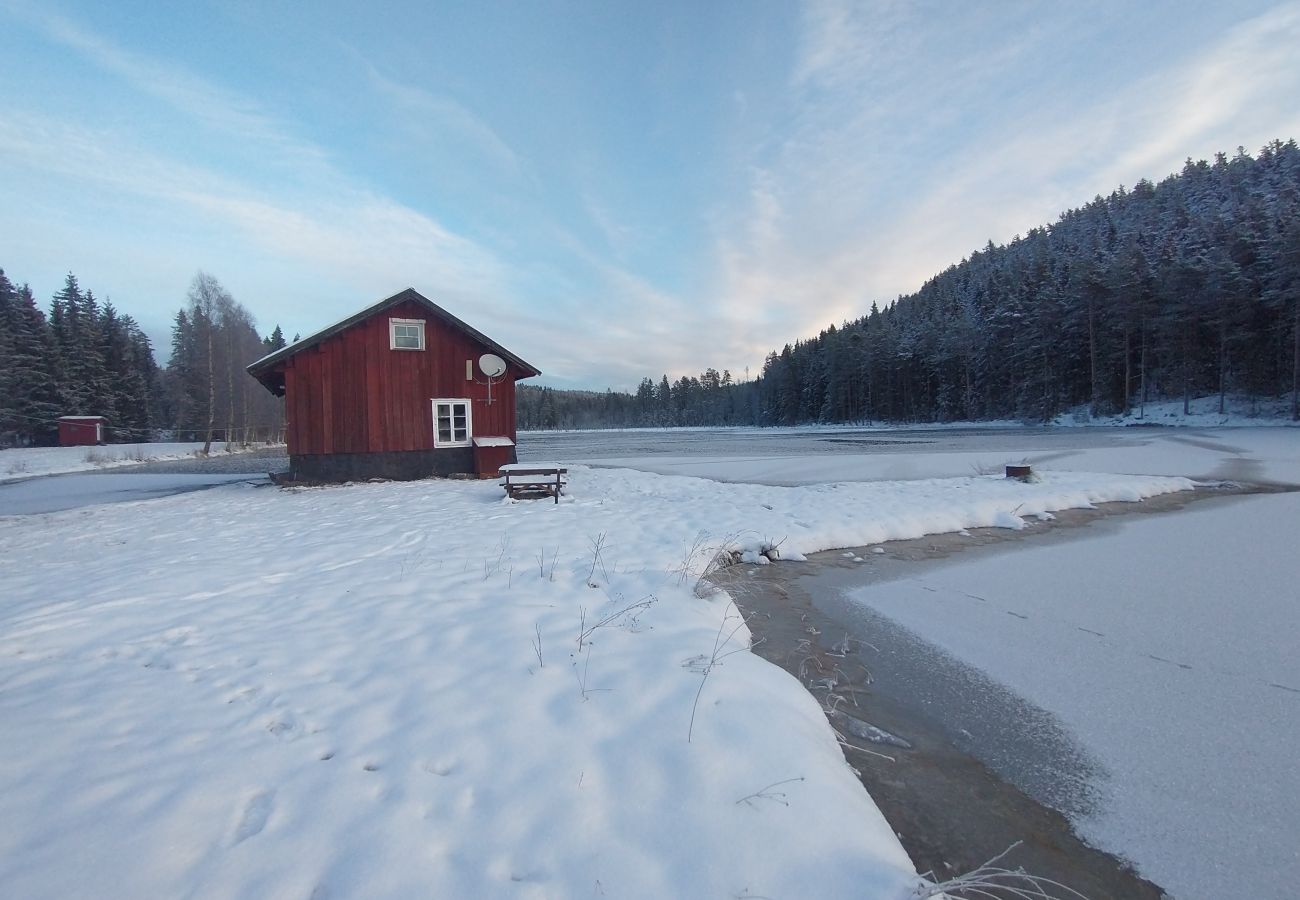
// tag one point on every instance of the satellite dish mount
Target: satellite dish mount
(493, 368)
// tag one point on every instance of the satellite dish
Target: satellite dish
(492, 365)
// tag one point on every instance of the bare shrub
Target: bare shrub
(721, 650)
(993, 881)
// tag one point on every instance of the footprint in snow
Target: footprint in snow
(281, 727)
(179, 635)
(443, 767)
(253, 819)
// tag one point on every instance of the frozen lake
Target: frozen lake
(1165, 645)
(791, 456)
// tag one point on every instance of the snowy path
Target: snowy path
(380, 690)
(1169, 647)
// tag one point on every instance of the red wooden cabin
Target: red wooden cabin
(395, 391)
(79, 431)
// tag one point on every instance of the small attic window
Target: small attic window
(406, 334)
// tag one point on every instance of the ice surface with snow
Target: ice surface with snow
(1169, 648)
(42, 495)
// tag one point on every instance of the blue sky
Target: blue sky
(611, 190)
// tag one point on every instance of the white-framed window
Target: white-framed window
(406, 334)
(451, 423)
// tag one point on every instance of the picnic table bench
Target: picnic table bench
(534, 479)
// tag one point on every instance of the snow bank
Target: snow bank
(24, 462)
(663, 510)
(386, 690)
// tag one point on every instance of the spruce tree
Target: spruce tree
(29, 398)
(274, 341)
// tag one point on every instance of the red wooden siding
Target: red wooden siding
(352, 394)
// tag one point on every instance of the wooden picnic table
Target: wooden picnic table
(534, 479)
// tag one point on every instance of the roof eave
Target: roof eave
(271, 360)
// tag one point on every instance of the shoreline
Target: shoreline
(955, 798)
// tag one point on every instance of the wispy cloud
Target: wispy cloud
(220, 110)
(298, 209)
(348, 231)
(433, 116)
(618, 235)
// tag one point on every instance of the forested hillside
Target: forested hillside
(1171, 290)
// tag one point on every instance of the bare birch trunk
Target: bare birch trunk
(212, 394)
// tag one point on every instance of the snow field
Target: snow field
(336, 692)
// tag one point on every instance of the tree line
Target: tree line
(712, 398)
(86, 358)
(1184, 288)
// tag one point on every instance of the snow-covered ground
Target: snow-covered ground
(421, 689)
(1202, 412)
(25, 462)
(1169, 647)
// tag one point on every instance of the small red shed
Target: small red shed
(81, 431)
(400, 390)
